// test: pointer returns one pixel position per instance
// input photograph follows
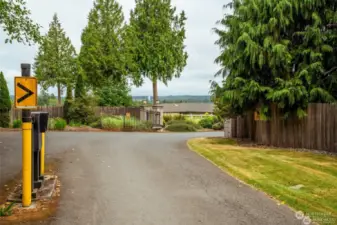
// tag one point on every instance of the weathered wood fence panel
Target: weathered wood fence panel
(318, 130)
(54, 111)
(57, 111)
(118, 111)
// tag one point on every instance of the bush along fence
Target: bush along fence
(128, 118)
(318, 130)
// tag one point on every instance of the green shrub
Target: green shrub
(81, 111)
(112, 123)
(17, 124)
(218, 126)
(188, 122)
(96, 124)
(60, 124)
(179, 117)
(144, 126)
(207, 122)
(56, 124)
(74, 124)
(181, 127)
(51, 124)
(4, 119)
(167, 118)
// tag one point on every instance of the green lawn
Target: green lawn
(275, 171)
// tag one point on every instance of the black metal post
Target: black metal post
(36, 140)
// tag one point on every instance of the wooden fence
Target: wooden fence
(318, 130)
(57, 111)
(54, 111)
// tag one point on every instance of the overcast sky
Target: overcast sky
(202, 16)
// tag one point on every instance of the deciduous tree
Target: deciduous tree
(16, 22)
(157, 33)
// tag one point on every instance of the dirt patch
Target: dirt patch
(40, 210)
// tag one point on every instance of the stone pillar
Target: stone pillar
(143, 113)
(227, 128)
(160, 109)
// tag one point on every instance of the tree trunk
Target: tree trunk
(59, 94)
(155, 91)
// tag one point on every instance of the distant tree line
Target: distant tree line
(114, 55)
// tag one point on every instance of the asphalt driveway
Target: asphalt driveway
(144, 179)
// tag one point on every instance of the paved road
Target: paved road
(146, 179)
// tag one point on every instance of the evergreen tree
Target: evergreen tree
(156, 34)
(113, 94)
(67, 103)
(79, 88)
(102, 55)
(43, 98)
(278, 51)
(5, 102)
(16, 23)
(55, 64)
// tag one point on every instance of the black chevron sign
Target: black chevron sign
(27, 95)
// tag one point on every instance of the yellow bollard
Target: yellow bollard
(42, 153)
(26, 164)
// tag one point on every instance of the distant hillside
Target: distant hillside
(170, 98)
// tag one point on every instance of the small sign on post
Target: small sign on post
(25, 92)
(128, 115)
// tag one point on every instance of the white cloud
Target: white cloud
(202, 16)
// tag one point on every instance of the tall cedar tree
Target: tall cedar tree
(5, 102)
(102, 53)
(16, 23)
(79, 88)
(67, 102)
(114, 95)
(277, 52)
(157, 34)
(55, 64)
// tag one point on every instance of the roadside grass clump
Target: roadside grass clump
(60, 124)
(193, 119)
(181, 127)
(120, 123)
(178, 117)
(305, 181)
(185, 122)
(144, 126)
(17, 124)
(73, 123)
(51, 124)
(207, 122)
(96, 124)
(7, 210)
(218, 126)
(56, 124)
(167, 118)
(112, 123)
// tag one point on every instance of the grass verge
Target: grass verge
(305, 181)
